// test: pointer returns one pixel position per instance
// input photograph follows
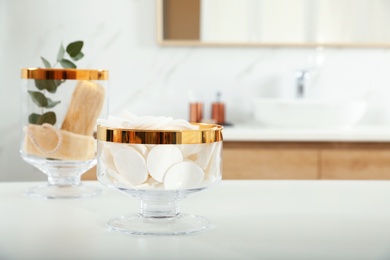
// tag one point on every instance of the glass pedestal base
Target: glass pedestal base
(182, 224)
(64, 179)
(159, 214)
(48, 191)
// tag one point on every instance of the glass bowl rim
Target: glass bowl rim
(207, 133)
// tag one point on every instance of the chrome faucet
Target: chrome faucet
(301, 77)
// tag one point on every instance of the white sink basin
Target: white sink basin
(308, 113)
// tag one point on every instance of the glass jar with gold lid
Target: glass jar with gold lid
(60, 108)
(160, 168)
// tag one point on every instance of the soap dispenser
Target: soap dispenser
(218, 110)
(196, 112)
(196, 108)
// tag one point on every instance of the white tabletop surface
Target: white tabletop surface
(251, 220)
(255, 132)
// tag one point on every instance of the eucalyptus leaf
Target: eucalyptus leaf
(74, 48)
(67, 64)
(61, 52)
(48, 84)
(41, 101)
(46, 63)
(48, 117)
(40, 84)
(34, 119)
(51, 103)
(58, 82)
(78, 56)
(38, 98)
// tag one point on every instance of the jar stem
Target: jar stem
(160, 205)
(64, 181)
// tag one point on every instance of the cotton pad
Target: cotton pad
(214, 167)
(106, 158)
(160, 158)
(141, 148)
(190, 149)
(183, 175)
(204, 155)
(116, 176)
(131, 165)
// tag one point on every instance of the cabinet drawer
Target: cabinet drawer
(260, 160)
(355, 164)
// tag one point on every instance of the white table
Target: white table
(251, 220)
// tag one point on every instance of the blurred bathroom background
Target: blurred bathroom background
(147, 78)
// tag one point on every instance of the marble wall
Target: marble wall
(147, 79)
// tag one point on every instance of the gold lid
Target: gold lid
(59, 74)
(207, 133)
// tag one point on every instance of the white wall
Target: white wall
(146, 79)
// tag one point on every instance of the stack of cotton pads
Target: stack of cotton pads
(158, 166)
(131, 121)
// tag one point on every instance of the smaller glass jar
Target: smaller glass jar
(159, 167)
(60, 108)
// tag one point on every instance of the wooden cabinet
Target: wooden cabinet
(89, 175)
(258, 160)
(306, 160)
(368, 161)
(302, 160)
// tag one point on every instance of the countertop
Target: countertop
(255, 132)
(250, 220)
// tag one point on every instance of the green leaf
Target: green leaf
(58, 82)
(41, 101)
(61, 52)
(46, 63)
(78, 56)
(51, 103)
(40, 84)
(67, 64)
(34, 119)
(48, 117)
(38, 98)
(48, 84)
(74, 48)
